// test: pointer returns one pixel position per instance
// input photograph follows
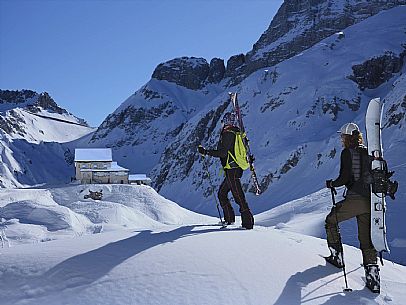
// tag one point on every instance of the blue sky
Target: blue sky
(91, 55)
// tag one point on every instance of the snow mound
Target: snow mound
(140, 198)
(304, 215)
(47, 214)
(53, 217)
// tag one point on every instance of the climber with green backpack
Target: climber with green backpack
(233, 157)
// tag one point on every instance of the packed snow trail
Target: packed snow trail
(191, 264)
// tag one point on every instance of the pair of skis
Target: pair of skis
(250, 156)
(381, 186)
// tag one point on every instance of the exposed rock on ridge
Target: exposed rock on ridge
(190, 72)
(299, 25)
(375, 71)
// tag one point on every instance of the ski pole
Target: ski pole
(206, 168)
(334, 192)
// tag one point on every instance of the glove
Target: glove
(201, 150)
(329, 184)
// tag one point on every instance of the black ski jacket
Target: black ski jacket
(346, 174)
(225, 144)
(345, 169)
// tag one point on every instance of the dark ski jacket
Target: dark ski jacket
(225, 144)
(346, 176)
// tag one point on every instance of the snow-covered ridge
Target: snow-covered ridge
(299, 25)
(36, 117)
(35, 139)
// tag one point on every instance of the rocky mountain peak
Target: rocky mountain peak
(16, 96)
(190, 72)
(46, 102)
(15, 102)
(29, 99)
(299, 25)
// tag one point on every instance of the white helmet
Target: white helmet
(349, 129)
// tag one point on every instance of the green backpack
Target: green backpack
(240, 152)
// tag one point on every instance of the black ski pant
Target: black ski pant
(232, 183)
(352, 206)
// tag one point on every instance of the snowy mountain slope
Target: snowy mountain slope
(48, 127)
(140, 128)
(292, 112)
(190, 264)
(35, 136)
(306, 216)
(34, 215)
(181, 87)
(26, 114)
(299, 25)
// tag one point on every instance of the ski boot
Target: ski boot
(335, 258)
(373, 281)
(247, 219)
(228, 212)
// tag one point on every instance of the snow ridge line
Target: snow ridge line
(55, 119)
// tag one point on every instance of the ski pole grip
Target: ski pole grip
(333, 192)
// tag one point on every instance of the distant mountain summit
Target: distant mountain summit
(29, 99)
(13, 103)
(34, 139)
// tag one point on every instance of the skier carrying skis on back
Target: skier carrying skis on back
(353, 169)
(233, 173)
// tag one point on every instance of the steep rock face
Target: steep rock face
(12, 123)
(182, 151)
(46, 102)
(299, 25)
(216, 70)
(16, 96)
(190, 72)
(376, 71)
(133, 121)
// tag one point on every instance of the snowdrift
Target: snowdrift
(64, 211)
